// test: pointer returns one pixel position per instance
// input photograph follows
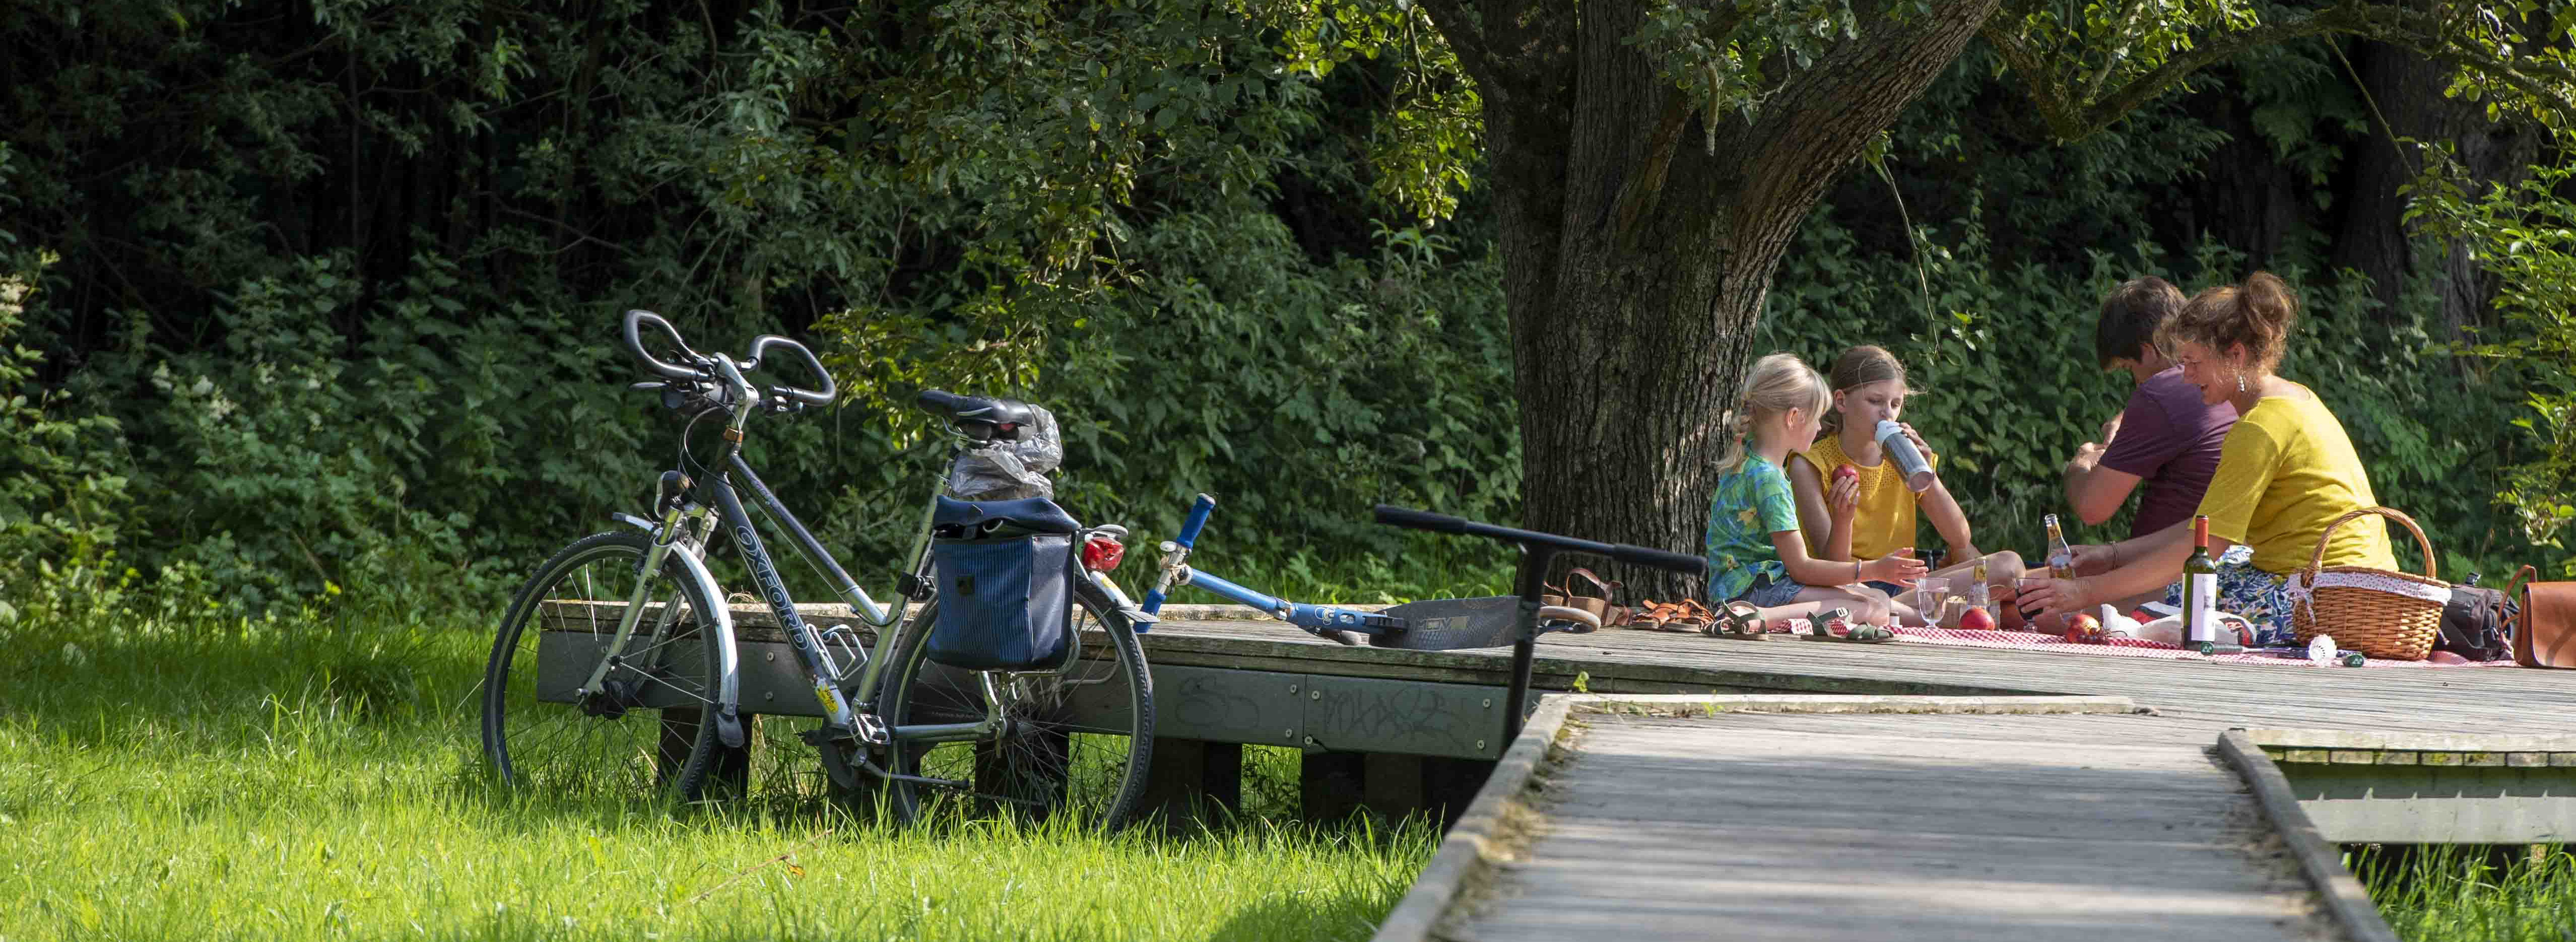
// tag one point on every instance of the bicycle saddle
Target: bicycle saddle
(956, 408)
(1036, 514)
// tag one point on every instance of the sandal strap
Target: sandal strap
(1604, 585)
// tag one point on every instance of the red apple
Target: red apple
(2083, 628)
(1845, 470)
(1976, 619)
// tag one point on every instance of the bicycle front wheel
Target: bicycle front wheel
(648, 729)
(1072, 743)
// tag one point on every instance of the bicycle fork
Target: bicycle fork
(675, 522)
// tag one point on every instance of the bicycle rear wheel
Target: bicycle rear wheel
(1076, 742)
(649, 731)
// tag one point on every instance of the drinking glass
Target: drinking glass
(1928, 593)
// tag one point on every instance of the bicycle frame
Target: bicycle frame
(705, 504)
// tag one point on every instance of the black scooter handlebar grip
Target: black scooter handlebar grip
(1660, 559)
(1394, 516)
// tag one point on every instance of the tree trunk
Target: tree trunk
(2407, 90)
(1639, 247)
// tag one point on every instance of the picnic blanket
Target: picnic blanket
(2133, 647)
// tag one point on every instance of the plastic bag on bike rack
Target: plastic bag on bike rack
(1005, 602)
(1010, 470)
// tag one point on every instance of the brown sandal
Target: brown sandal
(1596, 599)
(1692, 617)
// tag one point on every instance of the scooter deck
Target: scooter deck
(1452, 624)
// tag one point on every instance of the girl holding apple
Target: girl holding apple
(1756, 552)
(1854, 503)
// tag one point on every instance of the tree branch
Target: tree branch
(2102, 112)
(2073, 114)
(1824, 117)
(1459, 25)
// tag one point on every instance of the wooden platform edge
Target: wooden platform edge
(1475, 843)
(2333, 739)
(2347, 903)
(1848, 703)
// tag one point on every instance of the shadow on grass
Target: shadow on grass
(228, 684)
(1347, 914)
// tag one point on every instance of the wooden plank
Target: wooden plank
(2372, 739)
(1331, 785)
(1192, 782)
(2345, 899)
(1484, 836)
(1748, 825)
(1391, 785)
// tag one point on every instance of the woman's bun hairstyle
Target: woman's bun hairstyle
(2257, 314)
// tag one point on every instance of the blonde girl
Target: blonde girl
(1756, 552)
(1871, 513)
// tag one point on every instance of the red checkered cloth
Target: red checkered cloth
(2133, 647)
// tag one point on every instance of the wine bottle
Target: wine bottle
(2199, 591)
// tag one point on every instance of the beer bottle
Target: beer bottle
(2200, 592)
(1978, 596)
(2061, 557)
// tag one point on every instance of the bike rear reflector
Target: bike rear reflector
(1102, 552)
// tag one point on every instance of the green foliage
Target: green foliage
(2470, 893)
(2526, 237)
(62, 502)
(1298, 394)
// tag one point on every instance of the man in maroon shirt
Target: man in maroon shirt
(2165, 437)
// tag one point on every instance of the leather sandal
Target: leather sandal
(1689, 616)
(1835, 625)
(1737, 619)
(1595, 598)
(1651, 615)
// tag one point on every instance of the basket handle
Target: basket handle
(2318, 561)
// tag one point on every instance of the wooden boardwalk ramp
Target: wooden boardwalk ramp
(1672, 820)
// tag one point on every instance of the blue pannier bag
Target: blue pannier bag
(1005, 577)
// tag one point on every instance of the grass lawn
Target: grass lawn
(289, 779)
(2447, 894)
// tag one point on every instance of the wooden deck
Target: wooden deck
(2204, 697)
(1817, 827)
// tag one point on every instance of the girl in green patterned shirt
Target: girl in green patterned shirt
(1756, 552)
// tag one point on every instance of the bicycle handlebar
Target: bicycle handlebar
(702, 366)
(760, 347)
(1443, 523)
(635, 320)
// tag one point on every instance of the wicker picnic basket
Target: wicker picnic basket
(2382, 614)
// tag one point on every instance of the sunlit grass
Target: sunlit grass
(294, 779)
(2460, 894)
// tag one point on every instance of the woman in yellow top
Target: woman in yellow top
(2285, 472)
(1872, 514)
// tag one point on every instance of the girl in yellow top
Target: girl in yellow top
(1872, 514)
(2285, 471)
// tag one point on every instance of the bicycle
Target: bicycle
(614, 668)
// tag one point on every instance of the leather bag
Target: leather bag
(2544, 634)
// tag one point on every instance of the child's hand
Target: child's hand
(1898, 567)
(1843, 499)
(1916, 437)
